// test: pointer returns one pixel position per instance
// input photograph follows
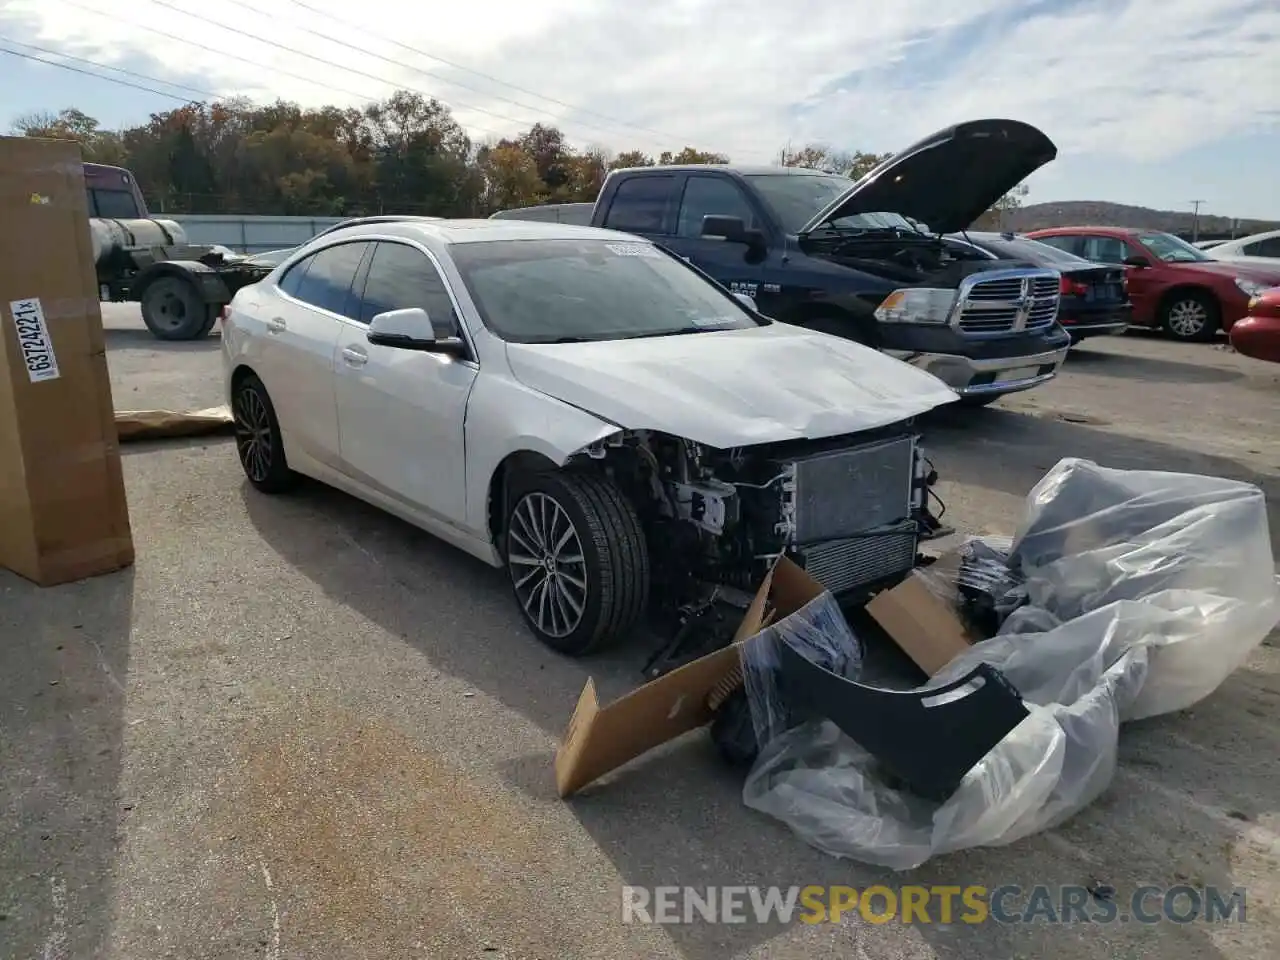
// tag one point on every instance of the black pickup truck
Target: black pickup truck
(869, 260)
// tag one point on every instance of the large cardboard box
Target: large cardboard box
(601, 739)
(63, 514)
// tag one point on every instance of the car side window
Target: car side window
(291, 282)
(327, 281)
(1105, 249)
(639, 204)
(1262, 248)
(711, 196)
(401, 276)
(1064, 242)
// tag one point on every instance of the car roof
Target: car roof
(451, 232)
(740, 169)
(1118, 231)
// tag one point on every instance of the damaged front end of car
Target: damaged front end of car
(851, 510)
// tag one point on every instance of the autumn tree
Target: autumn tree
(97, 145)
(690, 155)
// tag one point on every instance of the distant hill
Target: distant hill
(1099, 213)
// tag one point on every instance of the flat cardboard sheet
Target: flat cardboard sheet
(924, 625)
(602, 739)
(63, 514)
(134, 425)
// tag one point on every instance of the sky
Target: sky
(1150, 102)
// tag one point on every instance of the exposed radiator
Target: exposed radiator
(842, 492)
(845, 565)
(851, 511)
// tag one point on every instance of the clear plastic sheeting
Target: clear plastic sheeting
(1143, 592)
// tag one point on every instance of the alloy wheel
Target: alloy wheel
(253, 434)
(1187, 318)
(547, 565)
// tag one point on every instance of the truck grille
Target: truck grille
(839, 493)
(1008, 304)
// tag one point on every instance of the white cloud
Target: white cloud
(1141, 79)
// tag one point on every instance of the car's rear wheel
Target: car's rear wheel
(1191, 316)
(258, 440)
(577, 558)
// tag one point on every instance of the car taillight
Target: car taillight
(1072, 288)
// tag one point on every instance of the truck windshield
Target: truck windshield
(557, 291)
(797, 198)
(112, 204)
(1172, 249)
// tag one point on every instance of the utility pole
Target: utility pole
(1195, 220)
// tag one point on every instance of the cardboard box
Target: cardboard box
(926, 626)
(602, 739)
(63, 514)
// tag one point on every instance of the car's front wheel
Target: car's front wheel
(1191, 316)
(577, 558)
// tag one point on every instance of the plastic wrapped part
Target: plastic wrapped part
(1145, 590)
(820, 632)
(979, 581)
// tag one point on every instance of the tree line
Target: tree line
(405, 154)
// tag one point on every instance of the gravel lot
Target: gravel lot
(299, 728)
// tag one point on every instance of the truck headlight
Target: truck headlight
(917, 305)
(1250, 288)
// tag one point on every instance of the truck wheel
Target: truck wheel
(1190, 315)
(172, 310)
(577, 558)
(258, 440)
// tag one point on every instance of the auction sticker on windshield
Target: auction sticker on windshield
(34, 340)
(634, 249)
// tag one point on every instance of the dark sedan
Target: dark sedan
(1094, 301)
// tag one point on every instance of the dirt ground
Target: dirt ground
(301, 729)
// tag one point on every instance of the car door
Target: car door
(1144, 284)
(401, 412)
(302, 326)
(729, 263)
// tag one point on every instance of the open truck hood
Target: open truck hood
(732, 388)
(948, 180)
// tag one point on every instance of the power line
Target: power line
(319, 59)
(256, 64)
(87, 73)
(106, 66)
(615, 121)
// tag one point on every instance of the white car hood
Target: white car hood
(732, 388)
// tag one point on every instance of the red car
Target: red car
(1173, 285)
(1258, 334)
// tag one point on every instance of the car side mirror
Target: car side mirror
(411, 329)
(747, 301)
(1137, 260)
(717, 227)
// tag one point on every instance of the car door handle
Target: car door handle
(276, 325)
(354, 357)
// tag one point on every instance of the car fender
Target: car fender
(504, 417)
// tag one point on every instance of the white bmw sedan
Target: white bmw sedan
(578, 406)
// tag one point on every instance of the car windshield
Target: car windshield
(549, 291)
(1171, 249)
(797, 198)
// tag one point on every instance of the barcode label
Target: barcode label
(34, 340)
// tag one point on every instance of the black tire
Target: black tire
(1180, 310)
(978, 401)
(172, 309)
(613, 570)
(258, 441)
